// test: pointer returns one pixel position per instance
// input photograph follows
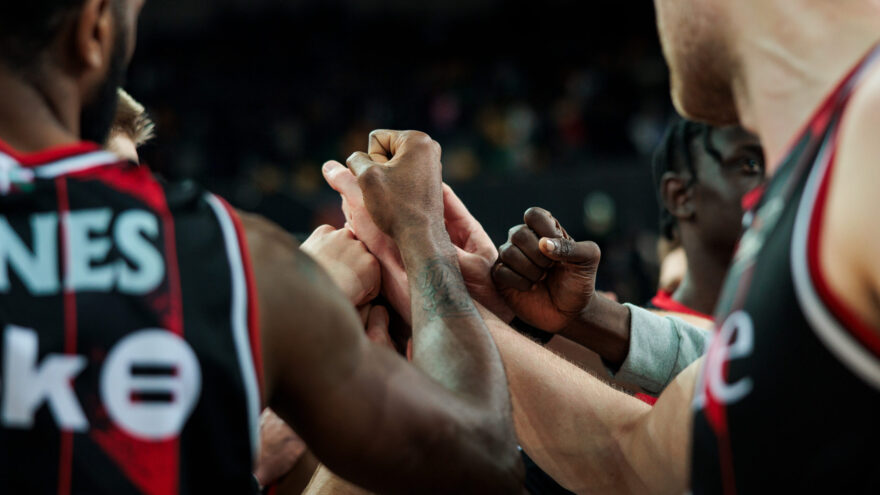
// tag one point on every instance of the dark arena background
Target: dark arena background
(555, 104)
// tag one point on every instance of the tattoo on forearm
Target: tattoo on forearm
(443, 291)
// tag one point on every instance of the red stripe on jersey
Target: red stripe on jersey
(753, 197)
(153, 467)
(663, 300)
(65, 458)
(252, 303)
(864, 333)
(49, 155)
(715, 412)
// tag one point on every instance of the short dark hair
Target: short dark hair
(674, 155)
(27, 28)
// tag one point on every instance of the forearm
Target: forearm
(571, 423)
(604, 327)
(450, 340)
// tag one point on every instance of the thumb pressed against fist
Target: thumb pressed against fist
(569, 251)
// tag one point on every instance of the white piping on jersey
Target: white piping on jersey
(53, 169)
(836, 338)
(239, 321)
(75, 164)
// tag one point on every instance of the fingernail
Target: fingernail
(328, 166)
(553, 245)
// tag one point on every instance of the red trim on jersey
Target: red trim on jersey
(864, 333)
(823, 113)
(49, 155)
(753, 197)
(252, 302)
(715, 412)
(647, 399)
(153, 467)
(663, 300)
(65, 457)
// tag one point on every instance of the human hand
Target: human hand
(400, 177)
(545, 277)
(280, 448)
(475, 250)
(348, 262)
(395, 285)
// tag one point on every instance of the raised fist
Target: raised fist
(545, 277)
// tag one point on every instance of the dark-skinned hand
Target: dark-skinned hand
(545, 277)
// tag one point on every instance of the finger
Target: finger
(359, 162)
(377, 327)
(505, 278)
(323, 230)
(525, 239)
(543, 223)
(514, 259)
(568, 251)
(344, 182)
(454, 208)
(381, 145)
(364, 313)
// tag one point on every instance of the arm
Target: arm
(365, 412)
(548, 279)
(850, 235)
(588, 436)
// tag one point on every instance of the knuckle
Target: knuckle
(535, 213)
(520, 235)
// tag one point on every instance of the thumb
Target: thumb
(377, 327)
(342, 181)
(569, 251)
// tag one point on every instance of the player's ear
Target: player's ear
(677, 195)
(93, 35)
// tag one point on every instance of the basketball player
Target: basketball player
(799, 304)
(702, 173)
(133, 319)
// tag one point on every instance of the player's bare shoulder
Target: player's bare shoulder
(850, 235)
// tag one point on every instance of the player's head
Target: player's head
(694, 36)
(701, 173)
(132, 128)
(85, 43)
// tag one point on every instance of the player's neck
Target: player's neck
(35, 117)
(702, 282)
(782, 79)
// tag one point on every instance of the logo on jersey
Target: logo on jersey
(735, 340)
(89, 238)
(149, 384)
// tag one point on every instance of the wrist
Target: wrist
(423, 238)
(603, 326)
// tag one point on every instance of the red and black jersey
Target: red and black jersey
(129, 349)
(663, 301)
(789, 394)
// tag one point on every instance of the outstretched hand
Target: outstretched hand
(545, 277)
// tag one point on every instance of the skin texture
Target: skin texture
(419, 421)
(364, 411)
(590, 437)
(354, 270)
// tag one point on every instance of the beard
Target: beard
(98, 114)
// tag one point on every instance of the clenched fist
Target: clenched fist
(400, 176)
(545, 277)
(354, 269)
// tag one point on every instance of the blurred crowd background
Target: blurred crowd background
(555, 103)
